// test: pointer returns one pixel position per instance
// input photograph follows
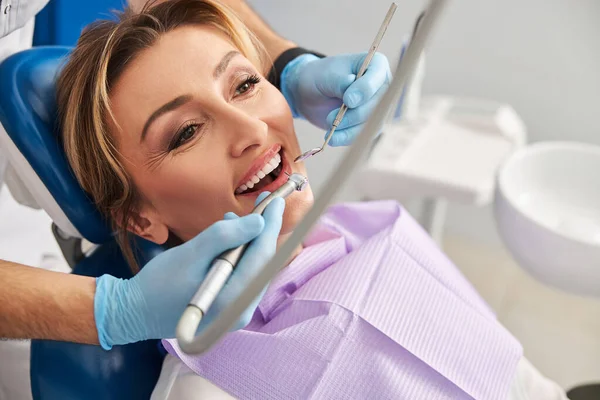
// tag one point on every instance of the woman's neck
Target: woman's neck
(297, 250)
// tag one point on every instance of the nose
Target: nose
(246, 132)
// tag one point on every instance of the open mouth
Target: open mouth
(264, 179)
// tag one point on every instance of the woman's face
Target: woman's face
(197, 126)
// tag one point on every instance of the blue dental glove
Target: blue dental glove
(149, 305)
(316, 87)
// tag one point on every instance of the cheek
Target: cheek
(186, 196)
(176, 180)
(296, 206)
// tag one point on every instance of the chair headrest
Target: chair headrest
(31, 142)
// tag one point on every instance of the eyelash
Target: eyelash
(177, 142)
(251, 80)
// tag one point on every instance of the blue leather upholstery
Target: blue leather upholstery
(60, 22)
(27, 112)
(61, 371)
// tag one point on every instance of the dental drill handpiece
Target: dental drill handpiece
(224, 265)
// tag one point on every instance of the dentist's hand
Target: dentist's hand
(149, 305)
(315, 88)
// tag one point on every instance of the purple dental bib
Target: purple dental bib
(370, 309)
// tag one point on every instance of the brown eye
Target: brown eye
(247, 85)
(184, 135)
(243, 88)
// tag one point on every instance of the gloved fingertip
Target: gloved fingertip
(334, 142)
(345, 137)
(345, 81)
(230, 215)
(244, 320)
(353, 98)
(275, 209)
(278, 204)
(344, 85)
(261, 197)
(253, 223)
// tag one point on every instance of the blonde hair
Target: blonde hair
(102, 53)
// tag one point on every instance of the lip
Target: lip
(259, 163)
(276, 184)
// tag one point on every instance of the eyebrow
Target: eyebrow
(170, 106)
(181, 100)
(222, 66)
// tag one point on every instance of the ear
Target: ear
(146, 224)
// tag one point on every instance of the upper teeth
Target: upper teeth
(266, 170)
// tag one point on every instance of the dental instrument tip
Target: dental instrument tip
(308, 154)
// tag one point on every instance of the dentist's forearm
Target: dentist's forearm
(274, 44)
(41, 304)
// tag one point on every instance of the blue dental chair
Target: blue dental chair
(41, 178)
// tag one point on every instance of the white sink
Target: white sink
(547, 209)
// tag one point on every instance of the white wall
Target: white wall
(540, 56)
